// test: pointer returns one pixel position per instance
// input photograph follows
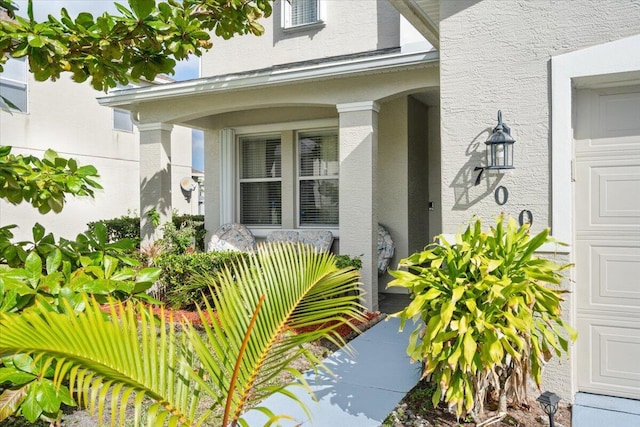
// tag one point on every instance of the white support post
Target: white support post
(155, 178)
(358, 171)
(227, 175)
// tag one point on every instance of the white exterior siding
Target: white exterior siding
(350, 26)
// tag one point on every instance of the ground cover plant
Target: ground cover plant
(416, 410)
(282, 287)
(489, 312)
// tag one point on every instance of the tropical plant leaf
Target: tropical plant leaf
(249, 341)
(281, 288)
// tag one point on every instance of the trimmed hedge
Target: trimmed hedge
(181, 284)
(129, 227)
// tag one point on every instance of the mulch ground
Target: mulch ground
(345, 331)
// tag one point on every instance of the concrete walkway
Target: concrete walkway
(368, 383)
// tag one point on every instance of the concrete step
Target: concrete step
(594, 410)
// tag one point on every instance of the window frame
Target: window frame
(233, 185)
(117, 129)
(299, 178)
(240, 180)
(287, 17)
(19, 84)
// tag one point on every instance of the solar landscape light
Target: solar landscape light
(549, 402)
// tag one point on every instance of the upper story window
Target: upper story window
(122, 120)
(298, 13)
(260, 180)
(13, 84)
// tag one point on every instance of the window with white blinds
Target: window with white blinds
(318, 178)
(260, 180)
(300, 12)
(13, 84)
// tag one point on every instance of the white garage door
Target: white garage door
(607, 240)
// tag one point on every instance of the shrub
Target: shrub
(488, 320)
(180, 284)
(343, 261)
(194, 221)
(129, 227)
(124, 227)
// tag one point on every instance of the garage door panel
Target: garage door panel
(610, 278)
(609, 193)
(618, 116)
(614, 351)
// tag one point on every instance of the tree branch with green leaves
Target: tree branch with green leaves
(44, 182)
(144, 40)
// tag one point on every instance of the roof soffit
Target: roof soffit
(424, 15)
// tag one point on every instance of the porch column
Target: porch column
(155, 178)
(227, 175)
(358, 216)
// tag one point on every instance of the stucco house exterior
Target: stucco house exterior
(339, 118)
(64, 116)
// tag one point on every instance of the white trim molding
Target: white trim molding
(567, 71)
(285, 126)
(358, 106)
(142, 127)
(269, 77)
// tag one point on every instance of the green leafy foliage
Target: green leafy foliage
(181, 285)
(196, 225)
(487, 320)
(110, 363)
(124, 227)
(43, 182)
(344, 261)
(47, 271)
(142, 41)
(57, 276)
(128, 227)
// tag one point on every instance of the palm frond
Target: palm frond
(113, 361)
(106, 359)
(282, 287)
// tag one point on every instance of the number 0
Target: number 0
(501, 195)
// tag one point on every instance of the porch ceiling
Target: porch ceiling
(324, 85)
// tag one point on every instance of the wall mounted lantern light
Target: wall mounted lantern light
(499, 147)
(549, 402)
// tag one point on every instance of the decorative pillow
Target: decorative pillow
(319, 239)
(286, 236)
(232, 237)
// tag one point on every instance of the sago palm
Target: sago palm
(126, 357)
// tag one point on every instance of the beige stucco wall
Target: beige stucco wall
(504, 63)
(392, 195)
(66, 117)
(404, 168)
(350, 27)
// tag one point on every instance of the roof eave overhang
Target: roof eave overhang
(265, 78)
(420, 18)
